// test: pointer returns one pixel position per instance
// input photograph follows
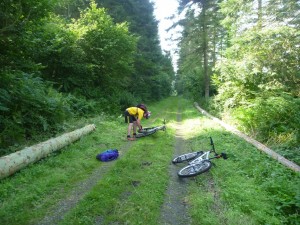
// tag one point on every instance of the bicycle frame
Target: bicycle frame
(204, 156)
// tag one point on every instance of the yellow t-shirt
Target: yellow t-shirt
(135, 111)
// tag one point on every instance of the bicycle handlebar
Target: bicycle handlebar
(212, 144)
(211, 141)
(223, 155)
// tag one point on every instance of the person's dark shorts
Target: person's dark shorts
(129, 118)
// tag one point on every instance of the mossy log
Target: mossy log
(14, 162)
(257, 144)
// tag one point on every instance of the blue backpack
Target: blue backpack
(108, 155)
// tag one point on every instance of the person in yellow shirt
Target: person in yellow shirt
(133, 116)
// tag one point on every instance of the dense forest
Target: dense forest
(242, 58)
(73, 58)
(66, 59)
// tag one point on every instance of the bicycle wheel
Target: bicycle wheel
(186, 157)
(146, 129)
(144, 134)
(196, 169)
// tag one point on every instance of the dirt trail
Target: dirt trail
(174, 210)
(61, 208)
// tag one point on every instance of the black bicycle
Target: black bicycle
(199, 162)
(151, 130)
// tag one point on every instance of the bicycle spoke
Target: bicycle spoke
(195, 169)
(185, 157)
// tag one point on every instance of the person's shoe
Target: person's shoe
(130, 138)
(134, 135)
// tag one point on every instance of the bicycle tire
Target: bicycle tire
(186, 157)
(145, 134)
(146, 129)
(195, 169)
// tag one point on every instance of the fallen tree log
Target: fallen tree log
(14, 162)
(257, 144)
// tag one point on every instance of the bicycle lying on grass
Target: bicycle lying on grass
(199, 162)
(151, 130)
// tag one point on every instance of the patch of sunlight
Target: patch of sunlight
(191, 128)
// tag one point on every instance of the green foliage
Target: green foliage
(15, 16)
(70, 8)
(273, 120)
(149, 63)
(28, 106)
(51, 44)
(259, 84)
(256, 75)
(271, 116)
(200, 44)
(81, 107)
(108, 47)
(127, 99)
(191, 83)
(74, 60)
(90, 53)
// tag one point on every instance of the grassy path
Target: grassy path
(72, 187)
(174, 209)
(59, 210)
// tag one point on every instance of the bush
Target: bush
(127, 100)
(258, 82)
(80, 106)
(28, 106)
(271, 117)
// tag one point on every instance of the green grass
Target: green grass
(40, 185)
(137, 182)
(248, 188)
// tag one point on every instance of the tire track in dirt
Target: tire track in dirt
(174, 209)
(65, 205)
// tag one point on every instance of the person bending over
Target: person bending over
(133, 116)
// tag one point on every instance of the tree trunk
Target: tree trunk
(259, 14)
(205, 49)
(14, 162)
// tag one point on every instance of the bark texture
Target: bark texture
(14, 162)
